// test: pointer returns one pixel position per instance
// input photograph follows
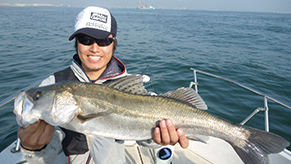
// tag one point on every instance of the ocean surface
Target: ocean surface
(250, 48)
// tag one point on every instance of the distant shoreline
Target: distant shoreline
(30, 5)
(183, 8)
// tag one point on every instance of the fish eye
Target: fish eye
(37, 95)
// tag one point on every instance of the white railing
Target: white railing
(11, 97)
(266, 97)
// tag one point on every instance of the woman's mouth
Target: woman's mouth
(94, 58)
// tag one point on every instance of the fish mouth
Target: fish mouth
(18, 103)
(22, 107)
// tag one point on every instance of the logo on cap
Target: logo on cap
(99, 17)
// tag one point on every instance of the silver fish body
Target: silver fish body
(109, 112)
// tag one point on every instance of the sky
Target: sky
(220, 5)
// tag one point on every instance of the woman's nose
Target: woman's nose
(94, 47)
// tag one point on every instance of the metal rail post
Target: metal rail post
(266, 108)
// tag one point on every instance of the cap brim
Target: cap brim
(95, 33)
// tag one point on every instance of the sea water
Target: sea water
(248, 47)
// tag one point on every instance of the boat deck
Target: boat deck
(214, 151)
(134, 155)
(140, 155)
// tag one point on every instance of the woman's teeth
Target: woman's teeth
(94, 57)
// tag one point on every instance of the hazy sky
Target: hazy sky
(226, 5)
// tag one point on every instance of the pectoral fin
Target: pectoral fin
(84, 118)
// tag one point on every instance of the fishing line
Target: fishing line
(150, 63)
(153, 82)
(152, 78)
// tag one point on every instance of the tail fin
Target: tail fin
(259, 145)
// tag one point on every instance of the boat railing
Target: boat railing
(266, 97)
(11, 97)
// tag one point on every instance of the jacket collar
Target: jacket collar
(114, 68)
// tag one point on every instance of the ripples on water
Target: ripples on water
(251, 48)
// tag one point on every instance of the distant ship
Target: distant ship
(143, 6)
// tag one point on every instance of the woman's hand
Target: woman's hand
(36, 135)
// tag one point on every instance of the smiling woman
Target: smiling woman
(95, 56)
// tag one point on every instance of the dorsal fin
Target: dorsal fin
(131, 84)
(187, 95)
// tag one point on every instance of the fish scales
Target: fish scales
(150, 109)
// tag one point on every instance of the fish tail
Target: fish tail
(259, 145)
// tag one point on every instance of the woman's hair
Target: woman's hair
(114, 42)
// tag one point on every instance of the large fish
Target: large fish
(122, 110)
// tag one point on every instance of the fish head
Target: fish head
(55, 105)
